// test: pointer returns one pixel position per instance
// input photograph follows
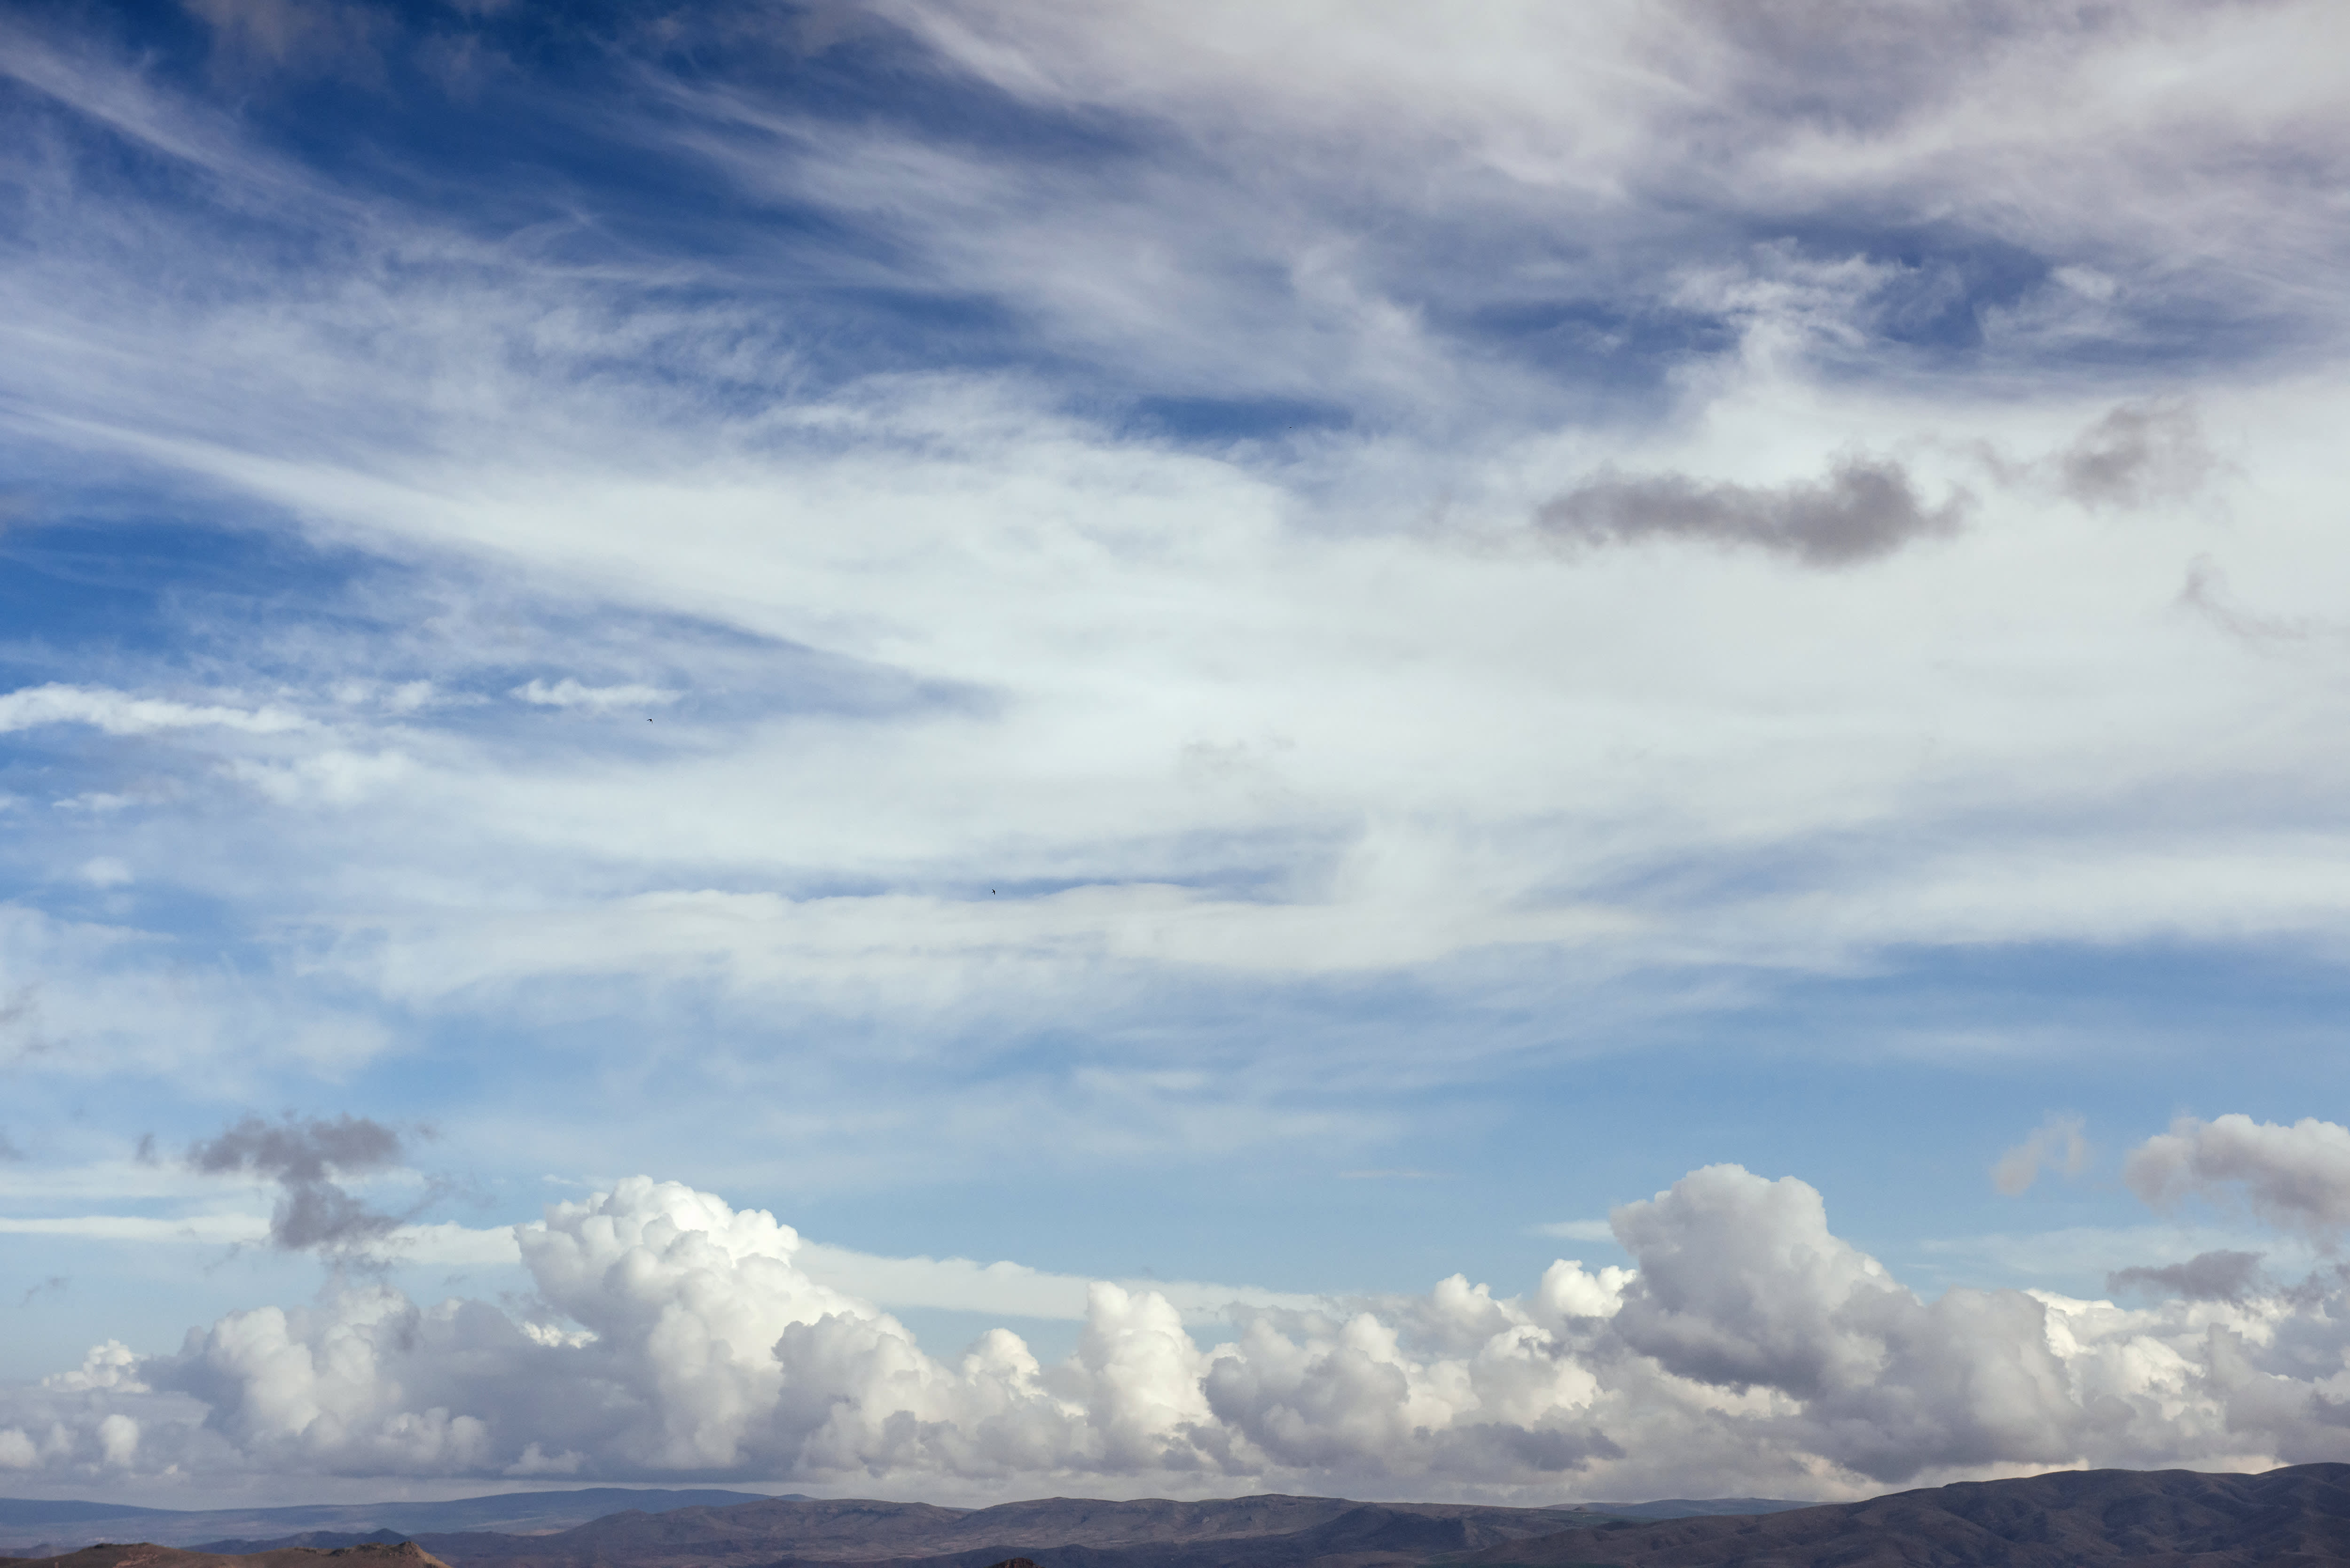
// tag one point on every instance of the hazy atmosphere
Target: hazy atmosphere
(976, 749)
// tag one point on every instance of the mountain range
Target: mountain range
(606, 1526)
(29, 1525)
(2289, 1518)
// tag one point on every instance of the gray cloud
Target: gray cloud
(2056, 1143)
(2220, 1276)
(54, 1285)
(2137, 454)
(2296, 1177)
(2205, 594)
(1865, 508)
(304, 1157)
(20, 1017)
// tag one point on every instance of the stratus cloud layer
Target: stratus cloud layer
(1750, 1346)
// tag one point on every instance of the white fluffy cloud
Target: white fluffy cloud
(1749, 1347)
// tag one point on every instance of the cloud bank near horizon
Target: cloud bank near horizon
(1747, 1349)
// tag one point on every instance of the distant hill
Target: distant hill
(598, 1527)
(2294, 1518)
(147, 1554)
(1155, 1533)
(1693, 1507)
(30, 1525)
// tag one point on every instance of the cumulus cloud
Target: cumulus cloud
(2296, 1177)
(305, 1157)
(1865, 508)
(1748, 1349)
(2055, 1144)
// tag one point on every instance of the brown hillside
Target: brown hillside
(146, 1555)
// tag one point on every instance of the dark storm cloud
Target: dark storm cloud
(1865, 508)
(2207, 1277)
(305, 1157)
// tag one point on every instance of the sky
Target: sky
(970, 749)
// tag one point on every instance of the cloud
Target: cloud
(253, 39)
(1512, 261)
(1615, 128)
(120, 713)
(671, 1334)
(506, 420)
(109, 1366)
(111, 998)
(1865, 509)
(2056, 1143)
(305, 1159)
(1576, 1229)
(569, 693)
(2206, 593)
(205, 1230)
(2137, 454)
(2296, 1177)
(2218, 1276)
(106, 871)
